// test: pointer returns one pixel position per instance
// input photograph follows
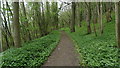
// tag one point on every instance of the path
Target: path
(64, 54)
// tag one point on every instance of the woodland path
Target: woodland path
(64, 54)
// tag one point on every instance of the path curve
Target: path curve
(64, 54)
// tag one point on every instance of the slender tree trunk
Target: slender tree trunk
(95, 20)
(101, 23)
(17, 39)
(44, 23)
(9, 25)
(108, 13)
(9, 15)
(56, 15)
(73, 17)
(8, 21)
(88, 19)
(80, 15)
(100, 17)
(26, 22)
(10, 28)
(1, 48)
(47, 16)
(6, 30)
(9, 9)
(117, 11)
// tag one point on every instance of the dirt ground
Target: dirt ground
(64, 54)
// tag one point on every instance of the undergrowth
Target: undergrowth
(31, 54)
(96, 51)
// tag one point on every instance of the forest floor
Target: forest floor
(64, 54)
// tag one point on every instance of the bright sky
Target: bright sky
(64, 0)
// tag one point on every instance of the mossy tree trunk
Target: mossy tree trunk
(117, 11)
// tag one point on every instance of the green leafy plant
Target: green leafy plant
(97, 51)
(33, 53)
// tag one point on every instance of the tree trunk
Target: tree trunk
(100, 17)
(95, 20)
(43, 23)
(117, 11)
(109, 10)
(9, 24)
(16, 24)
(56, 15)
(1, 48)
(79, 15)
(9, 9)
(101, 23)
(26, 22)
(88, 19)
(47, 16)
(5, 27)
(73, 17)
(9, 15)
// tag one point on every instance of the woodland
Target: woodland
(32, 32)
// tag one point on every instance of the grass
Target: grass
(34, 53)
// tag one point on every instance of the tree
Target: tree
(11, 14)
(79, 11)
(5, 27)
(54, 9)
(108, 11)
(26, 22)
(117, 11)
(48, 17)
(16, 24)
(56, 15)
(94, 14)
(0, 31)
(88, 17)
(43, 23)
(101, 23)
(100, 16)
(73, 17)
(38, 19)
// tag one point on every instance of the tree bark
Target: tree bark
(117, 11)
(109, 10)
(9, 9)
(101, 23)
(95, 20)
(1, 48)
(88, 18)
(100, 17)
(16, 24)
(43, 31)
(56, 15)
(73, 17)
(5, 27)
(80, 15)
(48, 17)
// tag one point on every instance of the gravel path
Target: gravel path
(64, 54)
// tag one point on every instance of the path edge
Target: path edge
(52, 50)
(80, 57)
